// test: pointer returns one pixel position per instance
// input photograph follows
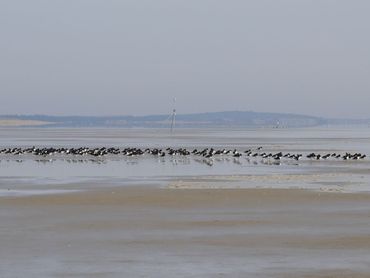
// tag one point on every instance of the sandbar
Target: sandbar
(147, 231)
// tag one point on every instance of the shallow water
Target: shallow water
(254, 238)
(54, 170)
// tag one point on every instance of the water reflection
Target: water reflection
(228, 152)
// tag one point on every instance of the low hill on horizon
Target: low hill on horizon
(210, 119)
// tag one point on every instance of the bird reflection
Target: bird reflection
(208, 156)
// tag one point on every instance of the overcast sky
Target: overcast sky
(89, 57)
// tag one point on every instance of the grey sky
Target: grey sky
(88, 57)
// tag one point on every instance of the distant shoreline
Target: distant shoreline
(22, 123)
(244, 119)
(212, 119)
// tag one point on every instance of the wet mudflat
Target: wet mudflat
(148, 216)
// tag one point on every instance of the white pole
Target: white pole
(173, 115)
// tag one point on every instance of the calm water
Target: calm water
(38, 241)
(25, 171)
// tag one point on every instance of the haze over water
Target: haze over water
(229, 215)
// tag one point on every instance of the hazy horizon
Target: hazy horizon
(178, 114)
(90, 57)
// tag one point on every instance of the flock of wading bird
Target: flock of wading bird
(206, 154)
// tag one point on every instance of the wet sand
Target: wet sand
(146, 231)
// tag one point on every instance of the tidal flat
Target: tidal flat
(142, 231)
(176, 217)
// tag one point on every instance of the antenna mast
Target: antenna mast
(173, 115)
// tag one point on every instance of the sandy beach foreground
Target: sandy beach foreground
(151, 232)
